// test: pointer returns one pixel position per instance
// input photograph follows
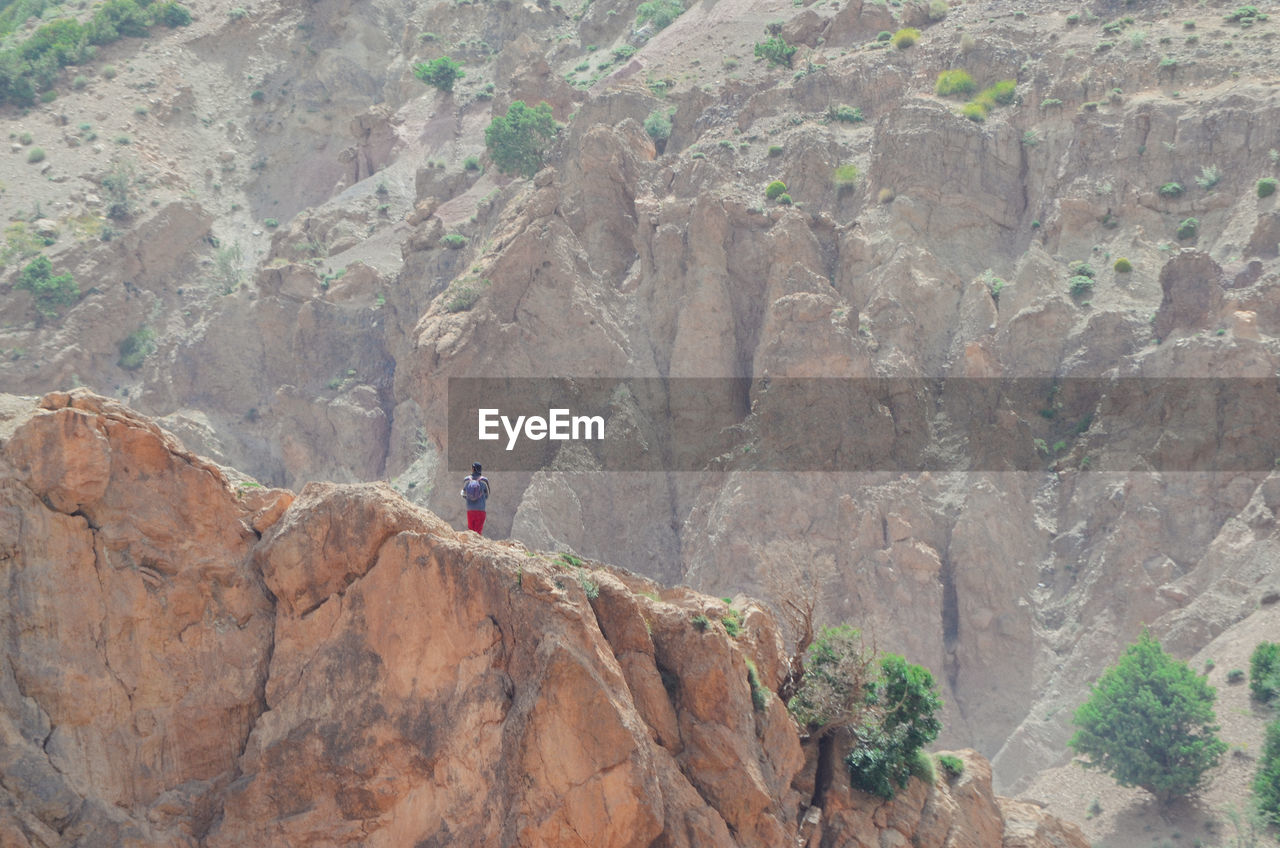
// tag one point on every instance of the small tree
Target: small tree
(1149, 723)
(441, 73)
(903, 704)
(888, 713)
(518, 140)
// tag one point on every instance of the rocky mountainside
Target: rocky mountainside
(193, 659)
(316, 241)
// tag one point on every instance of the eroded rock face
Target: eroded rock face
(191, 659)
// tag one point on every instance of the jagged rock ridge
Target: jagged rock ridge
(192, 659)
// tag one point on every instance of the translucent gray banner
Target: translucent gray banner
(889, 424)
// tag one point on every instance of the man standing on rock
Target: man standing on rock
(475, 491)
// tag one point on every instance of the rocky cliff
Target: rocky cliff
(318, 242)
(193, 659)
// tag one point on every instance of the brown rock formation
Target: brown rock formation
(193, 660)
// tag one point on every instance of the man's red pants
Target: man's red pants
(475, 520)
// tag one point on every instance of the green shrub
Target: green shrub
(846, 175)
(172, 15)
(974, 111)
(1002, 92)
(784, 200)
(1084, 269)
(1149, 722)
(701, 622)
(518, 140)
(441, 73)
(847, 114)
(1209, 177)
(1171, 189)
(902, 705)
(1266, 784)
(1245, 16)
(658, 124)
(1264, 671)
(1123, 266)
(1080, 286)
(775, 189)
(775, 50)
(906, 37)
(136, 347)
(955, 81)
(454, 241)
(759, 693)
(1266, 186)
(922, 767)
(938, 9)
(952, 765)
(471, 163)
(118, 184)
(658, 12)
(1235, 675)
(884, 35)
(1050, 102)
(51, 292)
(732, 621)
(35, 154)
(1189, 228)
(462, 297)
(775, 150)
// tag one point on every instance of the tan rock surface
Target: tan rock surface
(203, 662)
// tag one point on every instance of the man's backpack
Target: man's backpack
(474, 489)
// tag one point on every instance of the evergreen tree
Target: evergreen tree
(1149, 722)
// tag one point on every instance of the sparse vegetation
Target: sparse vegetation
(732, 621)
(454, 241)
(51, 292)
(938, 9)
(955, 81)
(35, 155)
(119, 185)
(29, 68)
(906, 37)
(775, 50)
(845, 114)
(136, 347)
(660, 13)
(658, 125)
(846, 176)
(1171, 189)
(1266, 186)
(1209, 177)
(1264, 671)
(1149, 723)
(518, 140)
(1189, 228)
(1266, 783)
(441, 73)
(759, 692)
(952, 765)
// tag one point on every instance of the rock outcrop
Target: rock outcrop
(194, 660)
